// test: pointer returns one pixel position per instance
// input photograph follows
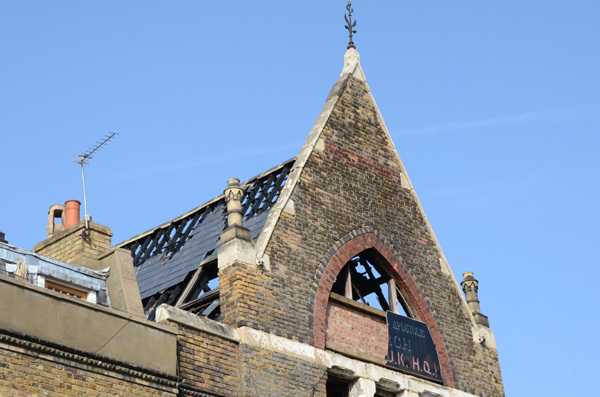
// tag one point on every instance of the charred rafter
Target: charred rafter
(261, 194)
(367, 279)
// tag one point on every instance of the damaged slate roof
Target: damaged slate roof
(166, 255)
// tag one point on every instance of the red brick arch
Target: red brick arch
(404, 280)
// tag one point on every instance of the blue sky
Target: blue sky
(494, 108)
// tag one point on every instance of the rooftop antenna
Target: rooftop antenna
(85, 159)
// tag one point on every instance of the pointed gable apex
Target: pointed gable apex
(348, 192)
(351, 72)
(352, 68)
(314, 141)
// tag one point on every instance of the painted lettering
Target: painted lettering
(415, 361)
(426, 367)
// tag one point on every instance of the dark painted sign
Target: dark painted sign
(411, 348)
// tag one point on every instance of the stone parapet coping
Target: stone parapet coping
(166, 314)
(96, 307)
(363, 366)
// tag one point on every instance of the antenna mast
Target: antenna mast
(85, 159)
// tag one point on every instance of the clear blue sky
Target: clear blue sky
(494, 108)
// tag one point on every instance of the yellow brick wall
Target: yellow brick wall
(70, 245)
(24, 375)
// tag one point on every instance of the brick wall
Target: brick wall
(356, 329)
(208, 362)
(273, 374)
(28, 376)
(69, 245)
(353, 182)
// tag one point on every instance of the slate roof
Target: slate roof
(164, 256)
(39, 265)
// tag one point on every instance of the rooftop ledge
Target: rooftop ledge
(52, 316)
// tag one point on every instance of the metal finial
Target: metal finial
(349, 24)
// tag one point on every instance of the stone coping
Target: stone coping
(166, 314)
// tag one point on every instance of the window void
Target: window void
(364, 280)
(383, 393)
(198, 294)
(336, 387)
(202, 297)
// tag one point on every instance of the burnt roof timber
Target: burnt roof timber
(197, 274)
(249, 182)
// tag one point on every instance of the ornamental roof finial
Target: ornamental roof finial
(350, 24)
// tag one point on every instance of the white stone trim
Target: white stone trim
(367, 373)
(236, 250)
(166, 314)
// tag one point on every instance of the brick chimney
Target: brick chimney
(68, 240)
(72, 242)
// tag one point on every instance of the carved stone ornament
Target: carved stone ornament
(351, 59)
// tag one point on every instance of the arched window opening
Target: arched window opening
(364, 280)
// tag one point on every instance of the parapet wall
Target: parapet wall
(90, 330)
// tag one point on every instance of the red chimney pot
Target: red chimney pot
(71, 213)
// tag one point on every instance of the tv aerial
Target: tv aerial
(85, 159)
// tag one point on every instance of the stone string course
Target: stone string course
(25, 361)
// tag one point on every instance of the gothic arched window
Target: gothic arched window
(364, 279)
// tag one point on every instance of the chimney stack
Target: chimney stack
(89, 246)
(69, 240)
